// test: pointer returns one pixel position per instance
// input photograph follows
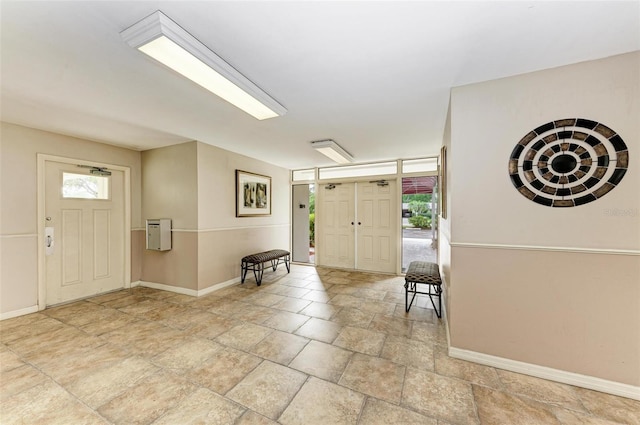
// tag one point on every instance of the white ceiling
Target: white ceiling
(374, 76)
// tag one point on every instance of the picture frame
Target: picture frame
(253, 194)
(443, 182)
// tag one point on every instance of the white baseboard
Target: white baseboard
(186, 291)
(584, 381)
(21, 312)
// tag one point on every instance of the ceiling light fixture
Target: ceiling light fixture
(168, 43)
(333, 151)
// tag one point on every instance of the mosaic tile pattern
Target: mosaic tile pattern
(317, 346)
(568, 162)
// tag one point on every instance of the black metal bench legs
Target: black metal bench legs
(255, 262)
(421, 272)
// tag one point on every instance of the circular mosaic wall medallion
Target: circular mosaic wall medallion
(568, 162)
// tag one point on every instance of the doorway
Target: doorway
(419, 220)
(85, 229)
(358, 226)
(303, 223)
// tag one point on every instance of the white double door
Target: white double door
(84, 237)
(359, 226)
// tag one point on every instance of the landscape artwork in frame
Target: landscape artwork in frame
(253, 194)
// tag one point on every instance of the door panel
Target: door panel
(88, 248)
(376, 240)
(336, 248)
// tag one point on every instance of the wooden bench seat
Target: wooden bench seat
(425, 273)
(255, 262)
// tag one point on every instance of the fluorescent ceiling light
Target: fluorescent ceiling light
(333, 151)
(168, 43)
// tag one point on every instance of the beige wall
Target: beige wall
(19, 147)
(539, 299)
(194, 185)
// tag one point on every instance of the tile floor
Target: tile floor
(316, 346)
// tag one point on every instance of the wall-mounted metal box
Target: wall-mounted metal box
(159, 234)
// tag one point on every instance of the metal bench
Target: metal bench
(255, 262)
(422, 272)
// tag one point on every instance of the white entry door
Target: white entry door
(376, 240)
(336, 248)
(84, 232)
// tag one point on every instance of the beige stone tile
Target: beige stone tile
(234, 292)
(187, 355)
(395, 297)
(57, 342)
(611, 407)
(343, 300)
(164, 312)
(9, 325)
(568, 417)
(145, 306)
(360, 340)
(77, 363)
(125, 301)
(541, 390)
(286, 321)
(408, 352)
(378, 307)
(264, 299)
(378, 412)
(148, 399)
(416, 314)
(320, 403)
(244, 336)
(209, 325)
(268, 389)
(146, 339)
(110, 320)
(76, 314)
(101, 299)
(156, 294)
(20, 379)
(254, 313)
(343, 289)
(429, 332)
(467, 371)
(292, 291)
(317, 296)
(440, 397)
(336, 280)
(320, 310)
(202, 407)
(371, 294)
(293, 305)
(47, 403)
(390, 325)
(181, 299)
(280, 347)
(227, 307)
(497, 407)
(321, 330)
(101, 385)
(9, 360)
(374, 376)
(253, 418)
(353, 317)
(322, 360)
(17, 330)
(224, 369)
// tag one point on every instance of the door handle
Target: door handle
(359, 223)
(352, 223)
(49, 241)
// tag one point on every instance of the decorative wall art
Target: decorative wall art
(253, 194)
(568, 162)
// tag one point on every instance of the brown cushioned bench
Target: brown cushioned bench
(422, 272)
(256, 262)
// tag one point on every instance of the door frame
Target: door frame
(42, 160)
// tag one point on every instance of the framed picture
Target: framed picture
(253, 194)
(443, 182)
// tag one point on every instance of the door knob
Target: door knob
(359, 223)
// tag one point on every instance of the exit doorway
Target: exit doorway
(419, 220)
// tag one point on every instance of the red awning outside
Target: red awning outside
(418, 185)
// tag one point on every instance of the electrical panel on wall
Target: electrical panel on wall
(159, 234)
